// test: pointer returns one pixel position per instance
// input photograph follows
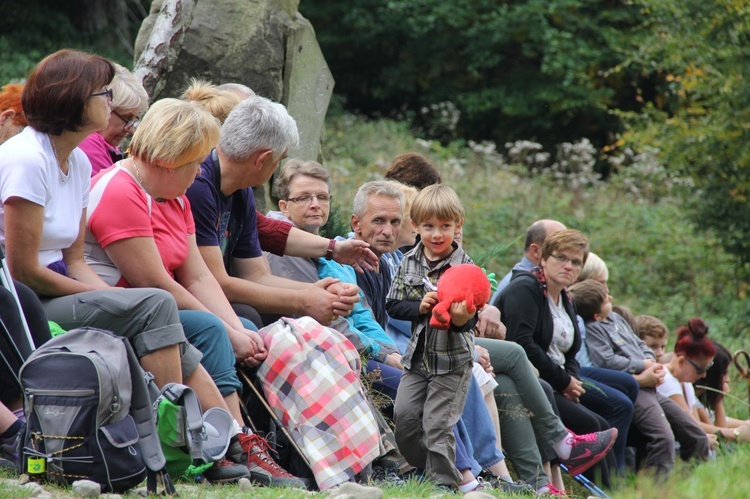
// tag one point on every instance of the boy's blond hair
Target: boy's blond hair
(439, 201)
(588, 296)
(647, 325)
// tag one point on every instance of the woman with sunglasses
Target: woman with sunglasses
(693, 356)
(129, 103)
(710, 392)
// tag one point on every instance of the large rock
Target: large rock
(264, 44)
(308, 85)
(241, 41)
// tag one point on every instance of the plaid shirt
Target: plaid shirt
(444, 351)
(311, 380)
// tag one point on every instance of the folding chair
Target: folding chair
(7, 282)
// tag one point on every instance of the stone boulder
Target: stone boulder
(242, 41)
(264, 44)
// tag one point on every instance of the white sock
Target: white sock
(236, 428)
(468, 487)
(564, 447)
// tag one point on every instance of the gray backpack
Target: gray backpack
(89, 414)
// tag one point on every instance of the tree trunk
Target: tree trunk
(164, 44)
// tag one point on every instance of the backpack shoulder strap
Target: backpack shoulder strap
(183, 395)
(141, 411)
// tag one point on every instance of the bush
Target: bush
(660, 263)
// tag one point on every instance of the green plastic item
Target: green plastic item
(491, 278)
(169, 424)
(55, 329)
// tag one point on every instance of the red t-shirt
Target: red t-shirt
(120, 209)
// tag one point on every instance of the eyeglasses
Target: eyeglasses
(699, 369)
(128, 122)
(564, 259)
(107, 93)
(307, 198)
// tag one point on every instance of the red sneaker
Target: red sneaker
(263, 469)
(551, 490)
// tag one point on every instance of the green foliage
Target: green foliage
(32, 29)
(514, 69)
(660, 263)
(703, 48)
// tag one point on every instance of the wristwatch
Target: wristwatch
(329, 252)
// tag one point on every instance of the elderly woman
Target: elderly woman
(129, 103)
(303, 187)
(539, 316)
(141, 234)
(12, 119)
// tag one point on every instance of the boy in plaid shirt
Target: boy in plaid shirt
(437, 364)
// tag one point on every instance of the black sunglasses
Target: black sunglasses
(699, 369)
(107, 93)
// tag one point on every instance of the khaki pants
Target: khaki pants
(147, 317)
(427, 408)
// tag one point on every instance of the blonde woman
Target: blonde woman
(141, 234)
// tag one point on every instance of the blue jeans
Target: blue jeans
(477, 431)
(463, 461)
(612, 398)
(389, 378)
(207, 333)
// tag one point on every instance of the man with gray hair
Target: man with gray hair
(377, 218)
(254, 139)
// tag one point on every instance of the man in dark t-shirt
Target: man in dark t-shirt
(254, 139)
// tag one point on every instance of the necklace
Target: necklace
(64, 178)
(137, 173)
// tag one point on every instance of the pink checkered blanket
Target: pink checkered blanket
(311, 380)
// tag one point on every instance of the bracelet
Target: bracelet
(329, 251)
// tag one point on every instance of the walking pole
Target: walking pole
(7, 282)
(586, 483)
(276, 420)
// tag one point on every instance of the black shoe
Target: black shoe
(225, 471)
(386, 476)
(519, 487)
